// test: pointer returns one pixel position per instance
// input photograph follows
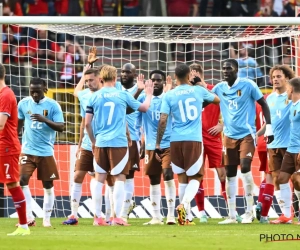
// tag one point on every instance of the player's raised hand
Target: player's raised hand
(169, 83)
(149, 87)
(38, 118)
(92, 57)
(140, 81)
(269, 135)
(86, 67)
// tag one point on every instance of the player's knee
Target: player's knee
(245, 165)
(47, 184)
(197, 177)
(231, 170)
(154, 179)
(168, 174)
(79, 176)
(295, 178)
(24, 180)
(130, 175)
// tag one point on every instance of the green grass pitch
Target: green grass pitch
(85, 236)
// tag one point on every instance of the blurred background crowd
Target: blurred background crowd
(60, 57)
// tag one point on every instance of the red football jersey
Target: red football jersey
(9, 141)
(210, 118)
(260, 121)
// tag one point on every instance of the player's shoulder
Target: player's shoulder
(25, 100)
(270, 96)
(210, 86)
(51, 102)
(246, 82)
(118, 85)
(7, 93)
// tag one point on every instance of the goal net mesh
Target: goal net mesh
(58, 54)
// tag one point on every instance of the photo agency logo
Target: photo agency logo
(278, 237)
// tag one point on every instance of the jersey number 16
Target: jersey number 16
(190, 111)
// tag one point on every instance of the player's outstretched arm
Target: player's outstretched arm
(266, 112)
(80, 85)
(3, 119)
(57, 126)
(160, 132)
(149, 92)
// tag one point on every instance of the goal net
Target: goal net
(58, 52)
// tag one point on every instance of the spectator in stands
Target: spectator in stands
(43, 53)
(248, 67)
(12, 8)
(242, 7)
(10, 47)
(37, 7)
(181, 8)
(218, 6)
(93, 7)
(74, 58)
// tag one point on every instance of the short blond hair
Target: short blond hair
(108, 73)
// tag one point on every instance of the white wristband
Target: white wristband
(269, 130)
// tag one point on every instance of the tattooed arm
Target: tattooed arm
(161, 128)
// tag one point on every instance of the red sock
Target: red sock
(261, 191)
(20, 203)
(267, 199)
(223, 187)
(199, 198)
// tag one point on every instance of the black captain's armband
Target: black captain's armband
(89, 110)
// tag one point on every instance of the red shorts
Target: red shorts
(263, 158)
(213, 152)
(9, 171)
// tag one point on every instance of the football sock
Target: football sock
(28, 199)
(118, 197)
(261, 191)
(155, 197)
(97, 198)
(277, 194)
(223, 188)
(20, 205)
(248, 184)
(107, 203)
(181, 191)
(286, 199)
(170, 191)
(129, 189)
(48, 202)
(190, 192)
(231, 196)
(199, 197)
(75, 198)
(267, 199)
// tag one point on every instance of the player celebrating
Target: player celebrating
(290, 164)
(154, 168)
(84, 154)
(185, 104)
(280, 110)
(238, 96)
(110, 148)
(128, 76)
(212, 143)
(43, 117)
(9, 152)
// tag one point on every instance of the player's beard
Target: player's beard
(128, 83)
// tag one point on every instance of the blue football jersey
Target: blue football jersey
(238, 107)
(185, 103)
(150, 121)
(294, 144)
(38, 138)
(132, 119)
(108, 105)
(280, 119)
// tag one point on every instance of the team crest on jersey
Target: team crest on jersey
(239, 92)
(45, 112)
(29, 112)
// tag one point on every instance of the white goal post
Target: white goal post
(149, 43)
